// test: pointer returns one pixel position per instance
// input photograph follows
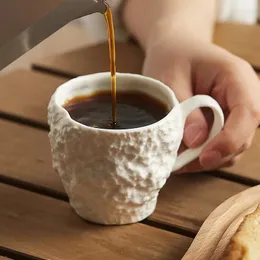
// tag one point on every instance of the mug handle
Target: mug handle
(186, 108)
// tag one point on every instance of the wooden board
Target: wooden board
(174, 207)
(47, 228)
(221, 225)
(35, 164)
(241, 40)
(25, 155)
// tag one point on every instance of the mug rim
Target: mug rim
(118, 74)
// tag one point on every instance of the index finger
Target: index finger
(239, 127)
(240, 92)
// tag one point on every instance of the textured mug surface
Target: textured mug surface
(114, 176)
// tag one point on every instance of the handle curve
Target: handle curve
(186, 108)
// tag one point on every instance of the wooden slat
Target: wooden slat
(27, 94)
(93, 59)
(185, 201)
(47, 228)
(25, 155)
(241, 40)
(249, 165)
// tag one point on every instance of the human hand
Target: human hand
(190, 67)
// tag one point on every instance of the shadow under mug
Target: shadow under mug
(114, 176)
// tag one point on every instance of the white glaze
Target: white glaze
(114, 176)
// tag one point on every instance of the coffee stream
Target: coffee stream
(130, 109)
(112, 53)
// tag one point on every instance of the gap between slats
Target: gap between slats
(16, 255)
(63, 197)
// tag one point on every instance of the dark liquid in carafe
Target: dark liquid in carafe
(112, 54)
(134, 109)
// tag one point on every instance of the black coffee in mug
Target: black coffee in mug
(134, 109)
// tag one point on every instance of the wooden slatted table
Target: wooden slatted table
(36, 221)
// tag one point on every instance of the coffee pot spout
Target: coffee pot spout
(24, 24)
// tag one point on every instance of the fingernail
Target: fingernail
(192, 134)
(210, 160)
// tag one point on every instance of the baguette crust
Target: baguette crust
(245, 244)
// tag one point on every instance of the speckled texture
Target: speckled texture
(113, 177)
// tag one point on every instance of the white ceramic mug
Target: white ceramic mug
(114, 176)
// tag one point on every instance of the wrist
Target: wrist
(176, 33)
(178, 42)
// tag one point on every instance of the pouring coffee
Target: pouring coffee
(42, 18)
